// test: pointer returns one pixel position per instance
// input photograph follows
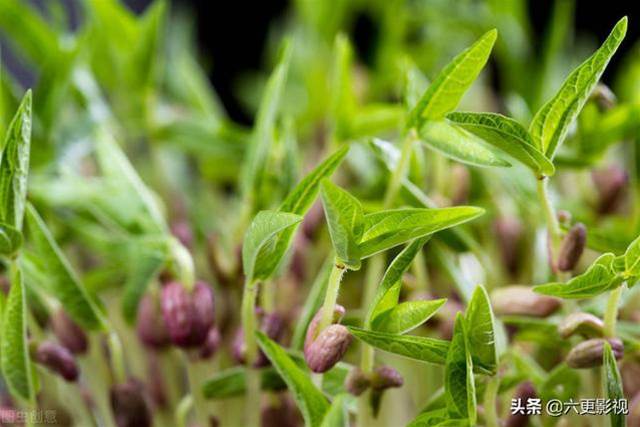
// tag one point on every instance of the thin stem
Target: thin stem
(249, 321)
(490, 396)
(199, 404)
(117, 357)
(611, 313)
(331, 296)
(399, 171)
(553, 227)
(251, 352)
(268, 296)
(183, 410)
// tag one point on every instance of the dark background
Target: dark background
(232, 33)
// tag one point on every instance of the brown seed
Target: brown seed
(385, 377)
(521, 300)
(585, 324)
(129, 406)
(328, 349)
(150, 324)
(357, 382)
(69, 333)
(588, 354)
(58, 359)
(338, 312)
(633, 419)
(211, 344)
(572, 247)
(509, 233)
(610, 184)
(630, 373)
(187, 316)
(524, 392)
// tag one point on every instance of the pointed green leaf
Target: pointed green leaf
(458, 144)
(406, 316)
(260, 241)
(551, 123)
(345, 220)
(116, 168)
(598, 278)
(446, 90)
(424, 349)
(632, 258)
(300, 199)
(337, 415)
(232, 382)
(386, 229)
(386, 296)
(14, 165)
(258, 150)
(146, 260)
(298, 202)
(438, 418)
(480, 328)
(460, 393)
(10, 240)
(612, 385)
(60, 279)
(506, 134)
(309, 399)
(14, 349)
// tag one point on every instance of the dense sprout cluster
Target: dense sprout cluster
(393, 242)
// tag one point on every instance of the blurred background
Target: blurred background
(233, 36)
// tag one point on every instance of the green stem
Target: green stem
(553, 227)
(182, 411)
(117, 358)
(251, 352)
(199, 404)
(331, 296)
(399, 171)
(490, 396)
(611, 313)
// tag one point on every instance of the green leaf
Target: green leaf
(598, 278)
(612, 384)
(480, 329)
(262, 138)
(116, 168)
(14, 349)
(424, 349)
(406, 316)
(300, 199)
(232, 382)
(632, 258)
(14, 165)
(298, 202)
(446, 90)
(146, 260)
(386, 229)
(337, 415)
(309, 399)
(551, 123)
(460, 393)
(506, 134)
(10, 240)
(458, 144)
(437, 418)
(388, 291)
(61, 281)
(345, 220)
(260, 240)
